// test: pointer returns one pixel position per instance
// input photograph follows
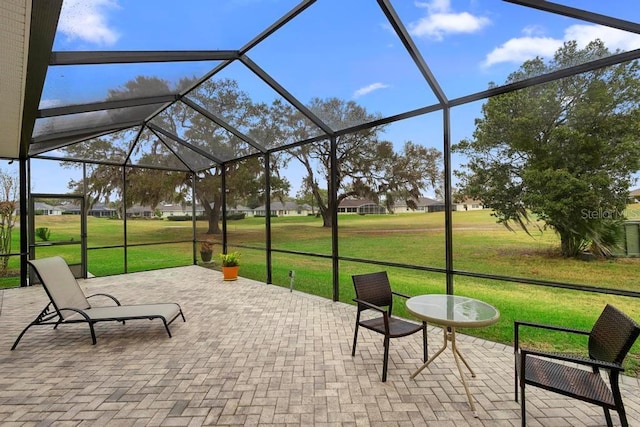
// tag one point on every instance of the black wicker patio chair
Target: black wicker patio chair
(373, 292)
(610, 340)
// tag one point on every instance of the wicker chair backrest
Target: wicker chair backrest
(612, 335)
(373, 288)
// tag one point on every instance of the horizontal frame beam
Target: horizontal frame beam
(184, 143)
(572, 12)
(113, 127)
(223, 124)
(105, 105)
(127, 57)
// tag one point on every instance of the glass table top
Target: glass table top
(453, 310)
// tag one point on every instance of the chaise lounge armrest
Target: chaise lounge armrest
(105, 295)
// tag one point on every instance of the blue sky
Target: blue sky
(335, 48)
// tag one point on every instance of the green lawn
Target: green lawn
(479, 245)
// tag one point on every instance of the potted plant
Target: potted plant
(206, 251)
(230, 265)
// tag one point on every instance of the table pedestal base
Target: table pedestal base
(450, 335)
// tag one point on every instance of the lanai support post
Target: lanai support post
(24, 213)
(267, 222)
(333, 197)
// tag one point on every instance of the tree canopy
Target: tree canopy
(565, 151)
(369, 166)
(152, 186)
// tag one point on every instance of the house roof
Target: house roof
(422, 201)
(43, 206)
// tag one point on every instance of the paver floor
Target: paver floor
(250, 354)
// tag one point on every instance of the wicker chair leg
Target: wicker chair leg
(355, 340)
(623, 417)
(617, 398)
(425, 348)
(515, 379)
(523, 409)
(386, 359)
(607, 416)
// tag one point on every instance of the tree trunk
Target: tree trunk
(214, 222)
(326, 219)
(570, 244)
(212, 214)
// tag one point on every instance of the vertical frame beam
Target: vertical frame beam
(83, 224)
(124, 213)
(24, 215)
(267, 222)
(448, 199)
(223, 190)
(194, 220)
(411, 48)
(333, 202)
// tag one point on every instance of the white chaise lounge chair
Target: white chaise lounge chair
(70, 305)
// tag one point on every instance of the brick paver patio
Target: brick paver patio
(250, 354)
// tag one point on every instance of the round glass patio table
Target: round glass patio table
(452, 311)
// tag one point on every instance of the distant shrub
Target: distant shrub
(43, 233)
(235, 216)
(186, 218)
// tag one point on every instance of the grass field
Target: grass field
(479, 245)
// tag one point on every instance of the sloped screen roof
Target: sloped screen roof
(203, 83)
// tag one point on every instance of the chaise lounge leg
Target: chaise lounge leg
(166, 326)
(93, 333)
(15, 344)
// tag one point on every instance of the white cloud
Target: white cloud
(533, 30)
(50, 103)
(435, 6)
(518, 50)
(613, 39)
(522, 49)
(441, 21)
(368, 89)
(87, 20)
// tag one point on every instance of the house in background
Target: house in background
(283, 209)
(468, 205)
(138, 211)
(241, 209)
(634, 196)
(361, 207)
(99, 210)
(176, 209)
(41, 208)
(424, 204)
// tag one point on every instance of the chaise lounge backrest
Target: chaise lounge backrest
(58, 281)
